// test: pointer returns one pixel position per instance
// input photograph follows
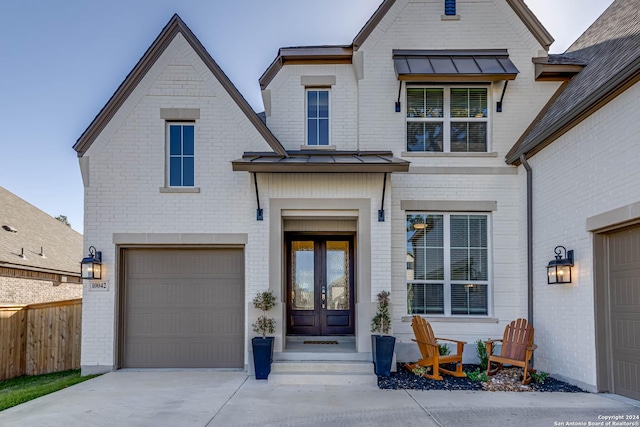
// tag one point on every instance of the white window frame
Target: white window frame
(306, 115)
(168, 153)
(446, 119)
(447, 282)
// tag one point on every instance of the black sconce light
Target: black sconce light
(91, 266)
(559, 269)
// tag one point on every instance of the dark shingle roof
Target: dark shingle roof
(611, 50)
(62, 246)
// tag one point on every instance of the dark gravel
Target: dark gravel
(404, 379)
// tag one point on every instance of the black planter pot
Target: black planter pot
(382, 350)
(262, 356)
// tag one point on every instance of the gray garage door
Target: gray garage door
(183, 308)
(624, 281)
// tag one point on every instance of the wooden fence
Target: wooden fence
(40, 338)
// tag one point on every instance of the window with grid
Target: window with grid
(181, 151)
(449, 272)
(317, 117)
(447, 119)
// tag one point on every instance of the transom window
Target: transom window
(447, 264)
(447, 119)
(318, 117)
(181, 154)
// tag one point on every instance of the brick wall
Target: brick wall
(15, 290)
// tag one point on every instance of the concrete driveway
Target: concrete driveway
(205, 398)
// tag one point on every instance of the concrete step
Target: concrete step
(322, 373)
(289, 355)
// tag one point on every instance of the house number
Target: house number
(98, 286)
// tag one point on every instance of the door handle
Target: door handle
(324, 299)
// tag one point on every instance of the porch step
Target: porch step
(322, 372)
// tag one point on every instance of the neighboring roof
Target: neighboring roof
(486, 65)
(306, 55)
(34, 229)
(611, 50)
(164, 39)
(322, 161)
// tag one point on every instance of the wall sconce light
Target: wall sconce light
(559, 269)
(91, 266)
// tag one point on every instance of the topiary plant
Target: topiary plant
(381, 322)
(264, 301)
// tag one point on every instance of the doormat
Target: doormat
(320, 342)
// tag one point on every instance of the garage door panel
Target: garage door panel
(184, 308)
(624, 290)
(159, 353)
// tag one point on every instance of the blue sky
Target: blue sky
(60, 61)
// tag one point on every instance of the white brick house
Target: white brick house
(373, 154)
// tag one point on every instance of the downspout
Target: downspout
(523, 160)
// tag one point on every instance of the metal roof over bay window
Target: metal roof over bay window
(454, 65)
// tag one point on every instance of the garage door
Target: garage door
(183, 308)
(624, 282)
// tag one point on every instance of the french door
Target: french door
(320, 298)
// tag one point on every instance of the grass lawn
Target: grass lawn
(19, 390)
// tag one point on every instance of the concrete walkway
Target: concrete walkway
(205, 398)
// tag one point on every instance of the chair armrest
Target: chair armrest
(448, 339)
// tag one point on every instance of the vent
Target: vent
(9, 229)
(450, 7)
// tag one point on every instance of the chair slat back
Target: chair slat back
(424, 334)
(518, 335)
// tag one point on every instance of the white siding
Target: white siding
(590, 170)
(127, 163)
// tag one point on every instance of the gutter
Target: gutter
(523, 161)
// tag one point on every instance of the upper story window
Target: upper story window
(448, 272)
(318, 117)
(447, 119)
(181, 143)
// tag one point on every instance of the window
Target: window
(447, 119)
(449, 274)
(317, 117)
(181, 154)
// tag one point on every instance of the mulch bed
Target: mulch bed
(508, 379)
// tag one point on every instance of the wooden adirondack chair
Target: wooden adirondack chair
(428, 345)
(517, 349)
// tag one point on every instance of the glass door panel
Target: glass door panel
(337, 275)
(303, 275)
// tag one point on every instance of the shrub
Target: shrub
(540, 376)
(381, 322)
(444, 350)
(481, 351)
(264, 301)
(478, 375)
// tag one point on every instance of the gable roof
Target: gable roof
(34, 229)
(519, 7)
(164, 39)
(611, 50)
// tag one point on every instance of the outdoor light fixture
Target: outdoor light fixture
(559, 269)
(92, 265)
